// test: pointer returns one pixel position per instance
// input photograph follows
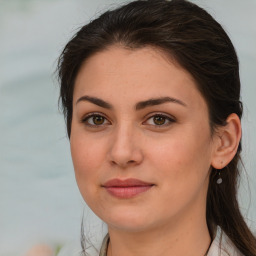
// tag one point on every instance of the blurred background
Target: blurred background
(39, 199)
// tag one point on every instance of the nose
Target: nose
(125, 148)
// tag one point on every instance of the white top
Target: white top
(227, 248)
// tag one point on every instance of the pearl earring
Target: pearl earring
(219, 180)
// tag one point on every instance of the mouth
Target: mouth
(128, 188)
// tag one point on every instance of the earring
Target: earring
(219, 180)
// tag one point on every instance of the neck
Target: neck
(189, 238)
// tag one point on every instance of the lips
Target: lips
(126, 188)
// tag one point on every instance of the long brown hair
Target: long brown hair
(199, 44)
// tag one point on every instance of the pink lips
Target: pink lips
(126, 188)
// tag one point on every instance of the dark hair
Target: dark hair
(190, 36)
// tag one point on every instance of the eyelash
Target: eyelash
(167, 118)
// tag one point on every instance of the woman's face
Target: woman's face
(140, 140)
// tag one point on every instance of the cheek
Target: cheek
(182, 167)
(87, 158)
(183, 158)
(87, 153)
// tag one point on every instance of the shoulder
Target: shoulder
(70, 249)
(74, 249)
(223, 246)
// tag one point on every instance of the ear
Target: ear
(226, 141)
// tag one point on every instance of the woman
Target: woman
(151, 96)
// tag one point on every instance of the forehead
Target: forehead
(134, 74)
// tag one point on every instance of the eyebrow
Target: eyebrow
(95, 101)
(157, 101)
(140, 105)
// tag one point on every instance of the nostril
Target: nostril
(123, 164)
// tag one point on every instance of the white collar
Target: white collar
(222, 245)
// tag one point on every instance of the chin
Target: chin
(128, 220)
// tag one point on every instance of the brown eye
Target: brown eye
(159, 120)
(98, 120)
(94, 120)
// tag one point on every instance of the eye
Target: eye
(160, 120)
(95, 120)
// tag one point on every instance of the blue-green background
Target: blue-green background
(39, 199)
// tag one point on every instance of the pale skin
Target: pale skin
(175, 155)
